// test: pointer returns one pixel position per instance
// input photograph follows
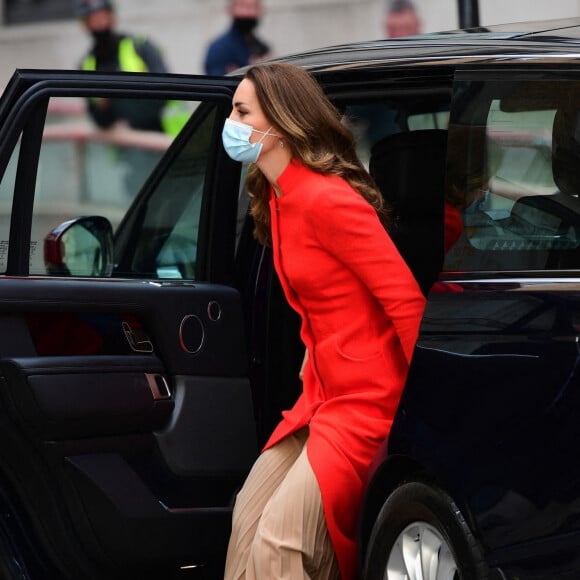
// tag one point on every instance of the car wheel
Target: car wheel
(420, 533)
(11, 565)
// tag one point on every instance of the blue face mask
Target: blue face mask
(236, 140)
(478, 204)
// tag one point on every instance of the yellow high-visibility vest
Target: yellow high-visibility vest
(174, 115)
(129, 59)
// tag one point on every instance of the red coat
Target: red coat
(361, 308)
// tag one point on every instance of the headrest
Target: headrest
(566, 150)
(406, 165)
(409, 169)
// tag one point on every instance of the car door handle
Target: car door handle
(158, 385)
(137, 339)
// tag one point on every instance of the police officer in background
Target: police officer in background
(113, 51)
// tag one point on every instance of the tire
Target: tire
(11, 565)
(421, 530)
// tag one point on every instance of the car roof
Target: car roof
(541, 39)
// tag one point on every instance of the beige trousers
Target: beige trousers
(278, 529)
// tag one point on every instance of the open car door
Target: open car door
(126, 415)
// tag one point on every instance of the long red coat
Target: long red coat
(361, 309)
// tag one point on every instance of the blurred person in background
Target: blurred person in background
(401, 19)
(238, 46)
(374, 121)
(114, 51)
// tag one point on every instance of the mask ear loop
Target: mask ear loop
(266, 134)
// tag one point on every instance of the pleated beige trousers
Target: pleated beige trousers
(278, 527)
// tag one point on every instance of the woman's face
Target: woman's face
(246, 109)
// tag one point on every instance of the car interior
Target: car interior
(415, 196)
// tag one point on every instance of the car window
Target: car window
(7, 185)
(87, 170)
(513, 177)
(375, 120)
(401, 139)
(431, 120)
(168, 214)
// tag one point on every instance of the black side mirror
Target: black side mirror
(80, 247)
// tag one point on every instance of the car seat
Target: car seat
(409, 169)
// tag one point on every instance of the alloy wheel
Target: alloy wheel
(421, 553)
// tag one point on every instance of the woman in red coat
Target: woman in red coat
(312, 200)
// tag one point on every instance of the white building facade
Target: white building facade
(183, 28)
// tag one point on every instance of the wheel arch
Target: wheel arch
(417, 517)
(384, 478)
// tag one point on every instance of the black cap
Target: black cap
(401, 5)
(85, 7)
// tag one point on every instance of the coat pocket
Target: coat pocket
(342, 373)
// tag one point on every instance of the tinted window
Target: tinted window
(403, 142)
(513, 179)
(167, 227)
(373, 121)
(118, 173)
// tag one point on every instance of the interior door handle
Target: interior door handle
(137, 339)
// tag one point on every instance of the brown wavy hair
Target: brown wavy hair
(296, 106)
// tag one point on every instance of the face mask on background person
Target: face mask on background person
(236, 140)
(245, 25)
(102, 36)
(478, 204)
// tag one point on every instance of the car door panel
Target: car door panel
(69, 397)
(135, 529)
(201, 405)
(159, 471)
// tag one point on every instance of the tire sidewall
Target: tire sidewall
(419, 502)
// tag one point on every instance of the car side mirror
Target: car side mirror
(80, 247)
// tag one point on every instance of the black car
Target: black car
(147, 350)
